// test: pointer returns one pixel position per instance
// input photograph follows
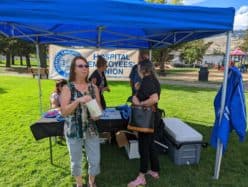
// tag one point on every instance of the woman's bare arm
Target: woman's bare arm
(97, 95)
(66, 107)
(54, 102)
(153, 99)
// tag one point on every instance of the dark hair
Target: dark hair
(73, 65)
(143, 55)
(101, 61)
(60, 83)
(147, 67)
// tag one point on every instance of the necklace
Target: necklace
(81, 87)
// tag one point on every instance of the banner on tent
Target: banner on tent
(120, 62)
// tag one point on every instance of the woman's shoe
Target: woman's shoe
(138, 181)
(153, 174)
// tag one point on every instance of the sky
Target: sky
(241, 7)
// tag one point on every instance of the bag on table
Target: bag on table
(142, 119)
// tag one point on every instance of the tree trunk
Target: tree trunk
(28, 60)
(12, 59)
(21, 62)
(8, 63)
(42, 53)
(161, 63)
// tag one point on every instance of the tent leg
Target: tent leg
(219, 150)
(39, 82)
(150, 54)
(218, 159)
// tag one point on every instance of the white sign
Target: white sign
(120, 62)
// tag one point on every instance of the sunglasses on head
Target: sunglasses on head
(83, 66)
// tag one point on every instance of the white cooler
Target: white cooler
(183, 141)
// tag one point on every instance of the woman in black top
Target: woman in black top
(147, 96)
(98, 78)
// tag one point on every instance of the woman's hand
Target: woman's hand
(135, 100)
(137, 85)
(105, 89)
(95, 118)
(84, 99)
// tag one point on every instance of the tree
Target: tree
(29, 48)
(244, 45)
(25, 49)
(163, 55)
(43, 55)
(6, 48)
(15, 47)
(18, 51)
(193, 52)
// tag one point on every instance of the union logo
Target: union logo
(62, 61)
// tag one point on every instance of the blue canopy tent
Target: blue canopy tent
(114, 24)
(111, 23)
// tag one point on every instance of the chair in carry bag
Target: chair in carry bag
(160, 136)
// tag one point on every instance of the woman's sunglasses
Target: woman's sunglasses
(83, 66)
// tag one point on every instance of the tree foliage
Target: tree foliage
(7, 48)
(16, 47)
(192, 52)
(162, 56)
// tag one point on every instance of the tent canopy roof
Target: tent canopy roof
(110, 23)
(238, 52)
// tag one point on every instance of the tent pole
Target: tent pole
(223, 98)
(150, 54)
(39, 82)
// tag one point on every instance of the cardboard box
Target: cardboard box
(132, 149)
(129, 141)
(105, 136)
(121, 138)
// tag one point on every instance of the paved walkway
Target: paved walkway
(183, 78)
(215, 79)
(15, 72)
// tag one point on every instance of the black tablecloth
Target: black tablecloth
(48, 127)
(111, 125)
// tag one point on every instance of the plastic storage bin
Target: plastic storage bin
(183, 141)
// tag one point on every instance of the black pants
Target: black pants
(103, 103)
(148, 153)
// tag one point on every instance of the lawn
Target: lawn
(178, 70)
(25, 162)
(33, 62)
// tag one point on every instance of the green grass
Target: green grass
(180, 70)
(25, 162)
(18, 63)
